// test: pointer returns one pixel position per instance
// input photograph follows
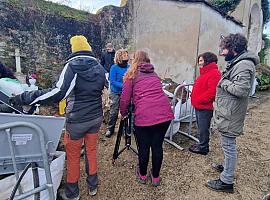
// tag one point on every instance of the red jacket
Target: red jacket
(204, 89)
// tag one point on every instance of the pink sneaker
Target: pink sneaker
(141, 179)
(155, 181)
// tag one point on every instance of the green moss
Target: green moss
(52, 8)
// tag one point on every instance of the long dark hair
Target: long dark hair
(208, 58)
(5, 72)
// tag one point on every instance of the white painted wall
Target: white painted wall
(173, 33)
(213, 25)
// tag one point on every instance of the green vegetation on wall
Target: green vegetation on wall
(266, 12)
(225, 6)
(263, 52)
(52, 8)
(263, 82)
(263, 77)
(230, 5)
(262, 70)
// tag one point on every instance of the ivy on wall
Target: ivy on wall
(263, 52)
(230, 5)
(225, 6)
(266, 11)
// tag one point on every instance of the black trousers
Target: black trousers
(151, 137)
(203, 121)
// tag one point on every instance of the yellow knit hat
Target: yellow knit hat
(79, 43)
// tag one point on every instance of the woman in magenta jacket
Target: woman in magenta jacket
(202, 98)
(153, 114)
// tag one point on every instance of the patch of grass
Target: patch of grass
(52, 8)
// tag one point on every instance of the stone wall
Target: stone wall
(211, 28)
(251, 15)
(116, 26)
(174, 33)
(43, 38)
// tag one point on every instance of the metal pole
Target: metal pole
(190, 121)
(173, 102)
(13, 158)
(29, 193)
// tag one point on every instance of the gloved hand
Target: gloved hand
(15, 100)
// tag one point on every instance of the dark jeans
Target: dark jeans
(203, 121)
(114, 111)
(151, 137)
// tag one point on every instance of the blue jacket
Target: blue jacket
(116, 78)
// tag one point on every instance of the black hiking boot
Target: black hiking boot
(196, 149)
(219, 186)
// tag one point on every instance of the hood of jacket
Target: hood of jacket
(85, 65)
(146, 68)
(247, 55)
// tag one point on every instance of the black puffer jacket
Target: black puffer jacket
(107, 60)
(81, 82)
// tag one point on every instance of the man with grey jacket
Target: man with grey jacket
(231, 103)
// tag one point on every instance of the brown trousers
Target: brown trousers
(73, 150)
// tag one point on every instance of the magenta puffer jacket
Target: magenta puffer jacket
(145, 91)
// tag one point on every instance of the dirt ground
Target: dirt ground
(184, 174)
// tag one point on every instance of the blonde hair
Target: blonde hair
(119, 56)
(139, 57)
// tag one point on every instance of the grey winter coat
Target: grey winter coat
(233, 89)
